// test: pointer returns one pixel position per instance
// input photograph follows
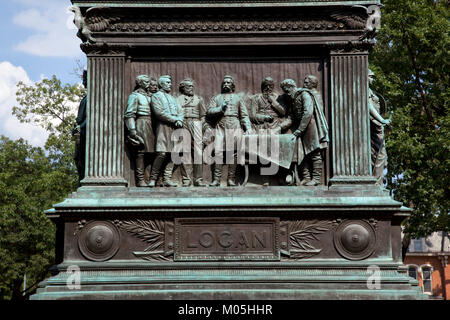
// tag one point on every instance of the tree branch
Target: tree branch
(419, 86)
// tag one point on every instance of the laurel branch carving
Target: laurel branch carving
(302, 234)
(152, 232)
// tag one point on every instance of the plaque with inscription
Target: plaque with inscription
(226, 239)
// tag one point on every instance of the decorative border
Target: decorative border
(196, 3)
(239, 23)
(292, 239)
(108, 21)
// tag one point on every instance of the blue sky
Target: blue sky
(38, 40)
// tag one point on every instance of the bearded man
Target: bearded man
(266, 112)
(311, 130)
(227, 110)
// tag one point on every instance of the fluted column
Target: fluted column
(105, 131)
(350, 153)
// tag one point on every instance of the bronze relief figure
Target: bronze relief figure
(194, 121)
(229, 113)
(79, 134)
(311, 128)
(266, 111)
(168, 116)
(377, 123)
(138, 121)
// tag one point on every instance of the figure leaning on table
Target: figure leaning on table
(310, 128)
(266, 111)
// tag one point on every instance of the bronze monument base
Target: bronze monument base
(229, 243)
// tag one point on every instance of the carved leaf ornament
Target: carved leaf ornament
(302, 233)
(151, 232)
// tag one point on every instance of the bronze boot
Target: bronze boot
(316, 170)
(140, 167)
(167, 176)
(198, 175)
(231, 175)
(306, 177)
(217, 175)
(185, 176)
(156, 169)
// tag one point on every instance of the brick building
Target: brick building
(427, 262)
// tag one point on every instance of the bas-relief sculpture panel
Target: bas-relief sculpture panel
(248, 75)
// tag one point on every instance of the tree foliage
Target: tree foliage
(51, 105)
(32, 179)
(411, 63)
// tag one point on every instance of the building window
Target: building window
(412, 272)
(418, 245)
(426, 279)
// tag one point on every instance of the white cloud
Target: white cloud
(10, 75)
(55, 34)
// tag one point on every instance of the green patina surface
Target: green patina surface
(282, 198)
(231, 202)
(323, 278)
(235, 294)
(218, 3)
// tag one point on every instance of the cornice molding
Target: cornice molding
(111, 22)
(219, 3)
(339, 48)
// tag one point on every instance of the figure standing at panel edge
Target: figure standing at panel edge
(377, 123)
(310, 129)
(194, 121)
(139, 123)
(227, 110)
(79, 133)
(169, 116)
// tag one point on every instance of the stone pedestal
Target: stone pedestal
(339, 240)
(230, 243)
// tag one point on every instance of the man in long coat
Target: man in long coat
(310, 126)
(169, 116)
(194, 111)
(139, 123)
(229, 112)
